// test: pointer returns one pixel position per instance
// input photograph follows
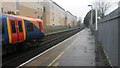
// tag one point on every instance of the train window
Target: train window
(13, 26)
(39, 25)
(20, 26)
(29, 27)
(1, 28)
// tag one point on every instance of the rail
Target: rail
(14, 60)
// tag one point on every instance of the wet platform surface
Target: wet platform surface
(77, 50)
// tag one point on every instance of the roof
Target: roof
(58, 5)
(70, 13)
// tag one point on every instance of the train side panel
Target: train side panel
(32, 30)
(5, 38)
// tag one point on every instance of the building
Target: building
(57, 16)
(54, 14)
(74, 21)
(69, 18)
(50, 12)
(7, 7)
(31, 9)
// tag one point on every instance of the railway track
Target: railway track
(15, 59)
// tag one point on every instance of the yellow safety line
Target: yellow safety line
(56, 59)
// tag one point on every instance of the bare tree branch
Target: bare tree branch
(102, 7)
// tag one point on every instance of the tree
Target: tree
(102, 7)
(87, 18)
(79, 22)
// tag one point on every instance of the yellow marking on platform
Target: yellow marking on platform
(56, 58)
(56, 64)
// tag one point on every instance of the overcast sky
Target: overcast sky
(80, 8)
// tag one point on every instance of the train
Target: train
(16, 29)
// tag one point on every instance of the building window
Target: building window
(53, 18)
(38, 9)
(29, 27)
(53, 24)
(2, 10)
(41, 10)
(44, 9)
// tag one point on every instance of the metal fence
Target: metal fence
(108, 35)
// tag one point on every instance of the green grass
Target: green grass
(106, 62)
(55, 29)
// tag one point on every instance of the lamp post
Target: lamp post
(96, 26)
(119, 4)
(96, 35)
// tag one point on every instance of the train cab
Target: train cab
(16, 29)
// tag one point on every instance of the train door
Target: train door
(20, 30)
(17, 34)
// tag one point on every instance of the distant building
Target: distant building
(54, 14)
(71, 20)
(74, 21)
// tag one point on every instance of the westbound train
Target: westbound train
(17, 29)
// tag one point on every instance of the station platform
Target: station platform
(77, 50)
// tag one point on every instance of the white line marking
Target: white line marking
(45, 51)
